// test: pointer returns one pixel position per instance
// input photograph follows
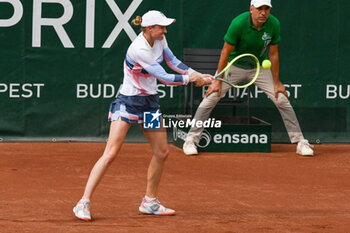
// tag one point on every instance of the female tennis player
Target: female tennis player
(139, 94)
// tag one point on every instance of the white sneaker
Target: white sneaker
(305, 148)
(189, 148)
(82, 210)
(154, 207)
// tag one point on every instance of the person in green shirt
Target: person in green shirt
(256, 32)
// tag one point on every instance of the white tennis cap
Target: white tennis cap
(259, 3)
(155, 18)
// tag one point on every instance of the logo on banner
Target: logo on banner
(204, 139)
(151, 120)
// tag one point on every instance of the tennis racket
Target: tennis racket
(245, 59)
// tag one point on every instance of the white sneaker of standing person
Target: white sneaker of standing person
(305, 148)
(189, 148)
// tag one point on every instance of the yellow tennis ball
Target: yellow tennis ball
(266, 64)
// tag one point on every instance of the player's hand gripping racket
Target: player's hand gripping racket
(246, 59)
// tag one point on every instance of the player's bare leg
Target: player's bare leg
(118, 131)
(150, 204)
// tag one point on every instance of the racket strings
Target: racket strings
(246, 62)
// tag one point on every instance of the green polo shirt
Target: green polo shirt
(247, 39)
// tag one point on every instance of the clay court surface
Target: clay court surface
(256, 192)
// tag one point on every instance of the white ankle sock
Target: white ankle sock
(149, 199)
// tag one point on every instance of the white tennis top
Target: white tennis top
(142, 67)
